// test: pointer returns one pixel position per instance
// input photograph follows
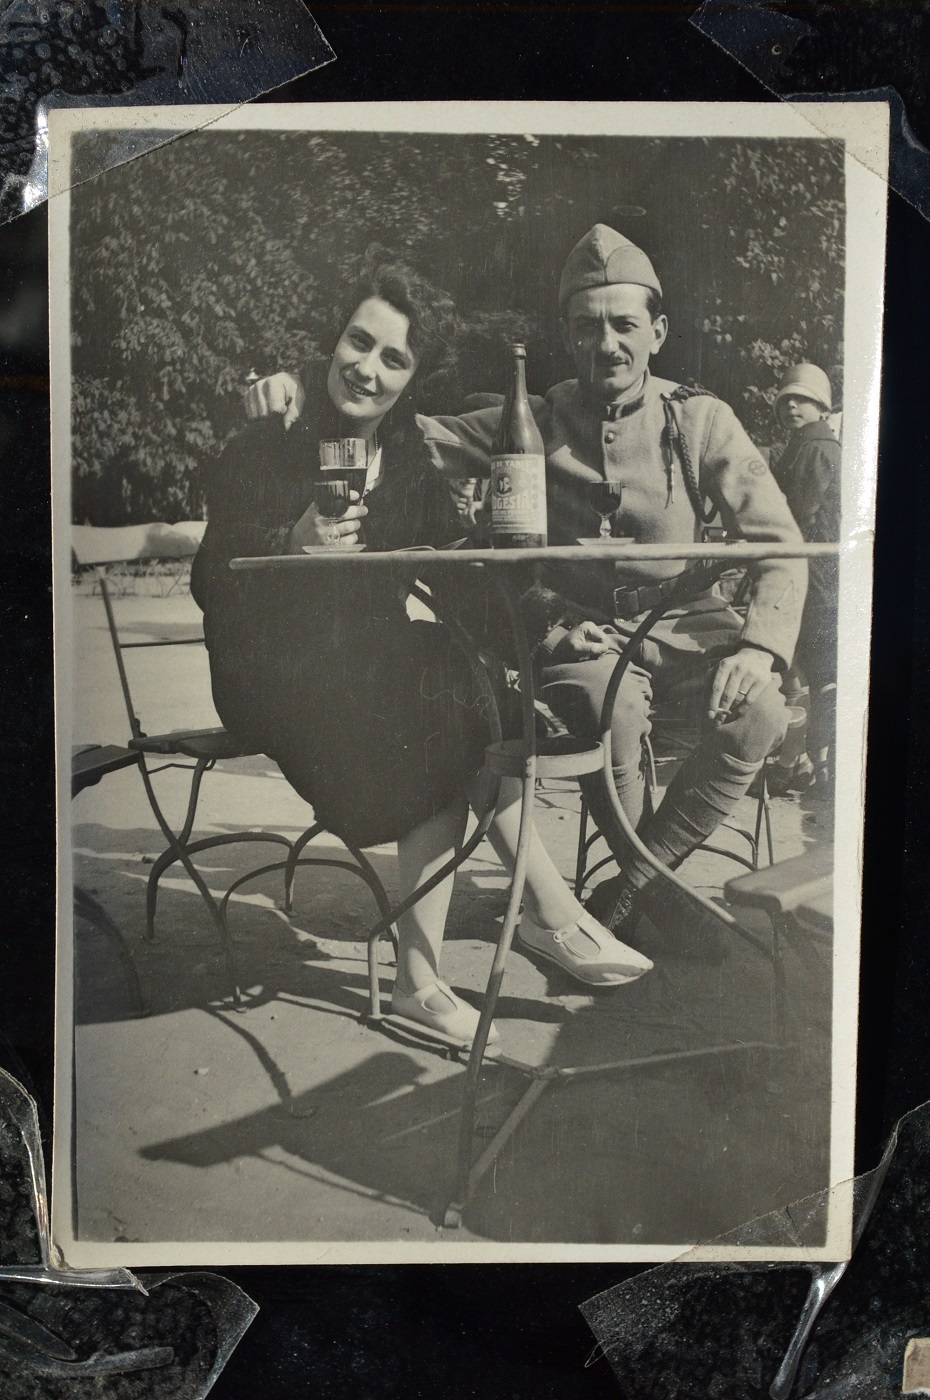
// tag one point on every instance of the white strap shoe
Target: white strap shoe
(585, 949)
(438, 1009)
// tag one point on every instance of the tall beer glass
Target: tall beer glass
(343, 468)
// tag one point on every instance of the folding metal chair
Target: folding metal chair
(653, 763)
(203, 748)
(672, 740)
(797, 897)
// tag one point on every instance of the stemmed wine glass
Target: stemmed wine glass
(604, 498)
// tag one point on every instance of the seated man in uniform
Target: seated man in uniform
(678, 459)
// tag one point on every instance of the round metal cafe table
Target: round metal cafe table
(507, 572)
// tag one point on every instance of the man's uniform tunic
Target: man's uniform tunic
(644, 449)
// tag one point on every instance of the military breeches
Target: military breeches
(666, 688)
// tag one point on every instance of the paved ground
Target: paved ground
(295, 1121)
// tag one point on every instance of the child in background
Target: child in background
(808, 472)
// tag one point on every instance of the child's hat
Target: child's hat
(806, 382)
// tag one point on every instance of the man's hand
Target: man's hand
(280, 393)
(468, 498)
(584, 643)
(314, 528)
(739, 680)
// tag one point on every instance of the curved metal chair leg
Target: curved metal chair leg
(202, 766)
(767, 811)
(171, 857)
(179, 840)
(151, 893)
(167, 858)
(198, 880)
(582, 850)
(291, 864)
(584, 873)
(361, 867)
(373, 881)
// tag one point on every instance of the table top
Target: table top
(736, 551)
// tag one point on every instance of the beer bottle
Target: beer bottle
(518, 470)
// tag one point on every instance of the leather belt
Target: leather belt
(631, 602)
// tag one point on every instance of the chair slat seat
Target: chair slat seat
(204, 744)
(805, 880)
(816, 915)
(91, 762)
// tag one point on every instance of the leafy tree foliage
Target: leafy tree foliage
(220, 253)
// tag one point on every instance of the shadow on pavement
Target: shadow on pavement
(672, 1154)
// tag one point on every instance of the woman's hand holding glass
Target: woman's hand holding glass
(314, 528)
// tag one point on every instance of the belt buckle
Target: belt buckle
(624, 600)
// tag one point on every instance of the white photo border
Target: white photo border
(863, 128)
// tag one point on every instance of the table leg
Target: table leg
(468, 1175)
(472, 1074)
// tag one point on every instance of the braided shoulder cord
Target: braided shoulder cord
(677, 439)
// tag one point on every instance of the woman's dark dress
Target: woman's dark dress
(374, 719)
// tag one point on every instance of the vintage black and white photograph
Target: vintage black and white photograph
(463, 520)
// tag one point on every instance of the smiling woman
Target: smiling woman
(372, 365)
(260, 494)
(374, 718)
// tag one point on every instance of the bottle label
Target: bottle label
(518, 494)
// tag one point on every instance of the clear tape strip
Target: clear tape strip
(761, 39)
(58, 54)
(627, 1319)
(34, 1346)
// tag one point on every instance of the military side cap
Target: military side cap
(806, 382)
(601, 259)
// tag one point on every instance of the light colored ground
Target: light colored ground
(295, 1121)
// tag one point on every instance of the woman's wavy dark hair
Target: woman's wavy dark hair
(457, 354)
(435, 327)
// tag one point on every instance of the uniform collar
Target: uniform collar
(611, 413)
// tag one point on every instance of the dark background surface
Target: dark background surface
(510, 1331)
